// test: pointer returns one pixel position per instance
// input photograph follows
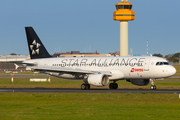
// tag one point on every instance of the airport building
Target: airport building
(7, 62)
(79, 54)
(115, 53)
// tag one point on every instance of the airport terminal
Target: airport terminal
(7, 62)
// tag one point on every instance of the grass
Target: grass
(178, 70)
(63, 83)
(22, 81)
(89, 106)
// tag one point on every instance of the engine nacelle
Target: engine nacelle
(98, 80)
(139, 82)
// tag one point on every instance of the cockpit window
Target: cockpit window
(166, 63)
(162, 63)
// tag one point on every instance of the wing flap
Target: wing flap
(69, 71)
(48, 69)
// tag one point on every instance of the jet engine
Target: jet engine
(139, 82)
(98, 80)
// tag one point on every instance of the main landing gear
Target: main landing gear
(85, 86)
(153, 86)
(113, 85)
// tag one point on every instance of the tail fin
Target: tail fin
(36, 48)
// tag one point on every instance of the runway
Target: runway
(76, 90)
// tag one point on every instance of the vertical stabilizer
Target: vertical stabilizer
(36, 48)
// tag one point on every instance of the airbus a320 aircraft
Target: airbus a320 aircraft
(97, 71)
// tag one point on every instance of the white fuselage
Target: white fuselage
(120, 67)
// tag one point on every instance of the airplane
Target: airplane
(97, 71)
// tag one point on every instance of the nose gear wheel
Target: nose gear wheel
(85, 87)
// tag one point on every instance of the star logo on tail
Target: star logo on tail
(35, 47)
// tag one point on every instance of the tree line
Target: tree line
(171, 57)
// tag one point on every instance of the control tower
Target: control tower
(124, 14)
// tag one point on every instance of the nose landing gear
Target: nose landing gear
(85, 87)
(153, 86)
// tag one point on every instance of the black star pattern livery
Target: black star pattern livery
(36, 48)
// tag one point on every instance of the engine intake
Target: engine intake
(98, 80)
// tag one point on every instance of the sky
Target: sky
(73, 25)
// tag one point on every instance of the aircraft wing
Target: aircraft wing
(69, 71)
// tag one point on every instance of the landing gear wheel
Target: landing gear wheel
(88, 86)
(113, 86)
(85, 87)
(153, 87)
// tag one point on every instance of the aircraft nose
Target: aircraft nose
(172, 71)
